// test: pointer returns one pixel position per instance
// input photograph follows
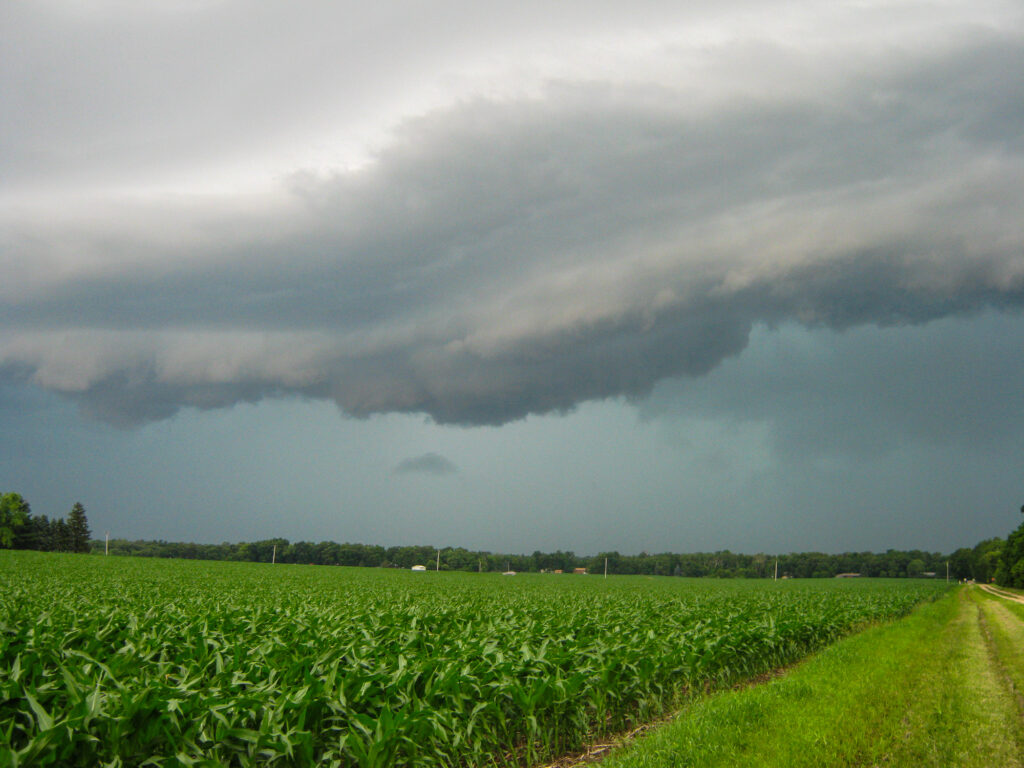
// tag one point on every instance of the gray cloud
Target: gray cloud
(428, 464)
(502, 256)
(869, 392)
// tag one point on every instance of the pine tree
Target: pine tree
(44, 533)
(61, 536)
(78, 529)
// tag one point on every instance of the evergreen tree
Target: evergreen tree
(78, 529)
(61, 536)
(43, 533)
(26, 537)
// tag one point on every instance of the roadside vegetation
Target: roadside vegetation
(938, 688)
(1010, 572)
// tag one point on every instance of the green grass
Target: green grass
(128, 662)
(919, 692)
(1004, 625)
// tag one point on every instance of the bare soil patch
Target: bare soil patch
(1002, 593)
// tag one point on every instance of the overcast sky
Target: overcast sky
(516, 275)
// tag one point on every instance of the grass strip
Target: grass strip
(1005, 629)
(919, 692)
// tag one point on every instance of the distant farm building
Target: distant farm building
(581, 571)
(847, 575)
(418, 567)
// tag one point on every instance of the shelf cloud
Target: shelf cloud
(530, 243)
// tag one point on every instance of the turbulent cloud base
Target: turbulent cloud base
(530, 242)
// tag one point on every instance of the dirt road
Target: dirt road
(1002, 593)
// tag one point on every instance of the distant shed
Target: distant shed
(847, 575)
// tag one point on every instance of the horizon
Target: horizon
(574, 553)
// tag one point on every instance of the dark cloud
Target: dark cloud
(427, 464)
(869, 392)
(510, 256)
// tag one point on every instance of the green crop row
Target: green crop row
(123, 662)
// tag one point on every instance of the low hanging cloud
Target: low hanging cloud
(514, 254)
(427, 464)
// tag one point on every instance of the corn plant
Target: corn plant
(122, 662)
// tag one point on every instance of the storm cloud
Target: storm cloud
(532, 241)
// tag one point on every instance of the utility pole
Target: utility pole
(776, 569)
(273, 555)
(606, 567)
(437, 566)
(106, 544)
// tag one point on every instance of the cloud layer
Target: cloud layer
(568, 231)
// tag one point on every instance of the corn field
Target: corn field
(123, 662)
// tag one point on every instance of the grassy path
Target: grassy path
(939, 688)
(1003, 623)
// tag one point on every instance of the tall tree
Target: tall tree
(43, 529)
(1010, 572)
(25, 534)
(61, 536)
(78, 529)
(14, 516)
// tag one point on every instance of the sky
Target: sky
(592, 276)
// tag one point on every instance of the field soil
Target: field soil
(1003, 593)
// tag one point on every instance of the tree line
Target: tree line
(20, 529)
(976, 563)
(994, 559)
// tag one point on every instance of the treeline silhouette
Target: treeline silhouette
(20, 529)
(996, 559)
(978, 563)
